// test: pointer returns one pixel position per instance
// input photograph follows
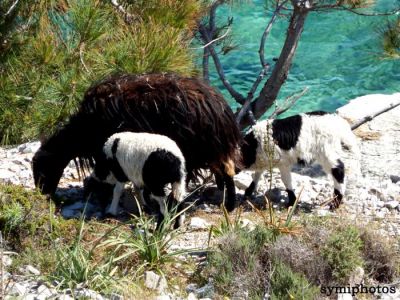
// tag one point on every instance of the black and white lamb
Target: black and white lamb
(305, 138)
(151, 162)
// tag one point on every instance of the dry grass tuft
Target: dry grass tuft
(301, 258)
(381, 255)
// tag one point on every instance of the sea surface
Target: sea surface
(339, 57)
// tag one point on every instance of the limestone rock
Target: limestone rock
(154, 281)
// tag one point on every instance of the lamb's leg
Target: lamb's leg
(253, 186)
(161, 214)
(338, 173)
(286, 176)
(113, 208)
(178, 192)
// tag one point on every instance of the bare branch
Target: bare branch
(12, 7)
(129, 18)
(250, 96)
(289, 102)
(206, 60)
(353, 10)
(374, 115)
(206, 38)
(370, 14)
(266, 32)
(213, 41)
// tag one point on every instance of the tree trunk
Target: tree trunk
(279, 74)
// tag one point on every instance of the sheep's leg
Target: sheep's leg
(113, 208)
(253, 186)
(286, 176)
(219, 180)
(230, 192)
(336, 167)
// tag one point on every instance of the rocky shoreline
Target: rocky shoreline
(373, 193)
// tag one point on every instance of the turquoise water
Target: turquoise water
(339, 56)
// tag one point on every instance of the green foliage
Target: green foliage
(25, 215)
(342, 251)
(76, 264)
(151, 248)
(70, 44)
(237, 265)
(286, 284)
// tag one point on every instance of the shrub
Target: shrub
(342, 251)
(381, 255)
(26, 215)
(302, 259)
(286, 284)
(237, 266)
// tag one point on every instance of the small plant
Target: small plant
(77, 265)
(227, 224)
(151, 247)
(278, 225)
(286, 284)
(343, 252)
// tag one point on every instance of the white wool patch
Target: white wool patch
(320, 139)
(134, 149)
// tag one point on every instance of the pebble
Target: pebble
(198, 223)
(154, 281)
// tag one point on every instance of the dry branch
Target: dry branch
(374, 115)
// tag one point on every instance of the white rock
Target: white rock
(242, 180)
(65, 297)
(19, 289)
(7, 261)
(45, 291)
(392, 204)
(357, 276)
(322, 212)
(344, 297)
(154, 281)
(32, 270)
(191, 296)
(5, 175)
(87, 293)
(115, 296)
(198, 223)
(163, 297)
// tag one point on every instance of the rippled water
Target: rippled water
(339, 56)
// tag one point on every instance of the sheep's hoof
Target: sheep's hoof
(335, 204)
(113, 212)
(230, 205)
(337, 200)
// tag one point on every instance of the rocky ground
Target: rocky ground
(373, 193)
